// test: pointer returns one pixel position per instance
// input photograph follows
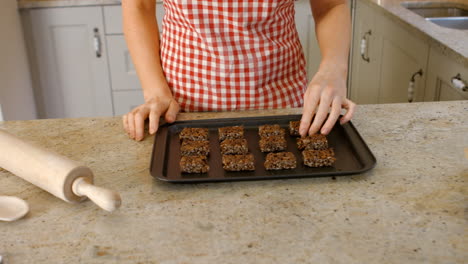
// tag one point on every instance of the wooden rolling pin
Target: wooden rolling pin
(60, 176)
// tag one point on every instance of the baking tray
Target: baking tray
(352, 153)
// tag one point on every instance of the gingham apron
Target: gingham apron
(222, 55)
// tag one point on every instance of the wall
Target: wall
(16, 93)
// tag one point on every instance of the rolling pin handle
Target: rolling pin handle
(106, 199)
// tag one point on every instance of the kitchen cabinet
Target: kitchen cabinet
(441, 74)
(403, 56)
(365, 67)
(70, 62)
(386, 57)
(306, 29)
(126, 87)
(124, 101)
(81, 67)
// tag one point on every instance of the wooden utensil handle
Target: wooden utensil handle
(106, 199)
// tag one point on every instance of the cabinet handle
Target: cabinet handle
(364, 49)
(458, 83)
(97, 43)
(411, 85)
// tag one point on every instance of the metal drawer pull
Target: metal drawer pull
(458, 83)
(411, 85)
(97, 43)
(364, 49)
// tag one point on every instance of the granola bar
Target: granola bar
(272, 143)
(238, 162)
(280, 161)
(319, 158)
(194, 164)
(271, 130)
(294, 128)
(231, 132)
(195, 148)
(316, 141)
(192, 133)
(234, 146)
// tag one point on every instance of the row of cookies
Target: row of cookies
(315, 150)
(273, 141)
(194, 150)
(234, 149)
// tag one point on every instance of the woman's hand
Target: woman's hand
(154, 108)
(325, 94)
(142, 35)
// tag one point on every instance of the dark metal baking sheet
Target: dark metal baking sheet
(352, 154)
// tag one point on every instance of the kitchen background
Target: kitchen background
(68, 58)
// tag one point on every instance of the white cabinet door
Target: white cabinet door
(122, 71)
(127, 93)
(71, 62)
(441, 70)
(306, 28)
(365, 68)
(114, 21)
(403, 55)
(125, 101)
(385, 58)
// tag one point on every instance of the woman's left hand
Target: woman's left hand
(325, 96)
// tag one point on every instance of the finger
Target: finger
(131, 125)
(334, 114)
(171, 113)
(155, 115)
(153, 121)
(350, 107)
(125, 123)
(140, 118)
(310, 104)
(321, 115)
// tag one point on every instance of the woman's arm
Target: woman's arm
(142, 37)
(327, 90)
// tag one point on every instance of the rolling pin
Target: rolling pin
(60, 176)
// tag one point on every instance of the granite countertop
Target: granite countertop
(411, 208)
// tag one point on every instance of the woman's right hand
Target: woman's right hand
(154, 108)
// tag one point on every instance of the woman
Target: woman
(218, 55)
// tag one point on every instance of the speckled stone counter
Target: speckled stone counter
(411, 208)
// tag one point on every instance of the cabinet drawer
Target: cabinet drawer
(441, 70)
(124, 101)
(122, 71)
(113, 17)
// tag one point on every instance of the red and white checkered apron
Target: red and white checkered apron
(232, 54)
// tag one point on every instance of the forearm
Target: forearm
(325, 96)
(142, 37)
(333, 30)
